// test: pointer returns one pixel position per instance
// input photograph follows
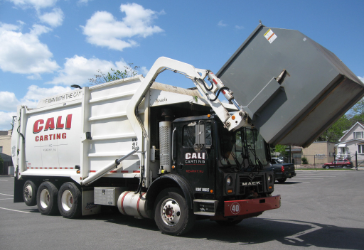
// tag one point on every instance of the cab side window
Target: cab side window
(188, 136)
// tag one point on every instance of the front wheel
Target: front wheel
(47, 198)
(327, 167)
(70, 200)
(30, 193)
(172, 214)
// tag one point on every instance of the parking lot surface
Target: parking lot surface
(320, 210)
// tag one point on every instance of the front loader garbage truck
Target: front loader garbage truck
(174, 155)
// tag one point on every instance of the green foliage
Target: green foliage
(281, 149)
(129, 71)
(357, 112)
(358, 108)
(336, 131)
(304, 160)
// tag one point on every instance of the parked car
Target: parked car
(282, 171)
(338, 164)
(277, 160)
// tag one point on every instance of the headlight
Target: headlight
(269, 178)
(228, 181)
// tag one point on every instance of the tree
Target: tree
(281, 149)
(129, 71)
(336, 131)
(358, 108)
(356, 113)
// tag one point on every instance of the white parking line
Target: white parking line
(14, 210)
(312, 178)
(6, 199)
(3, 180)
(6, 194)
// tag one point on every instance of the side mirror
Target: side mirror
(199, 137)
(200, 134)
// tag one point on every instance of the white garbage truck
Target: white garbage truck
(174, 155)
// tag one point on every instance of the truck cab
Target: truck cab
(218, 163)
(221, 166)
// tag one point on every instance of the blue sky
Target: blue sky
(48, 45)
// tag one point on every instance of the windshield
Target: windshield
(243, 148)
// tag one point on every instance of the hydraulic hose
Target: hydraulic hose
(218, 93)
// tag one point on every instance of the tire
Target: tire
(283, 180)
(327, 167)
(172, 214)
(228, 223)
(47, 198)
(30, 193)
(70, 201)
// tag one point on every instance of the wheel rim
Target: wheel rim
(44, 198)
(170, 212)
(67, 200)
(28, 192)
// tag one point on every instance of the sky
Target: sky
(48, 45)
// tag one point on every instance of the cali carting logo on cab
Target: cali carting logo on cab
(195, 158)
(50, 125)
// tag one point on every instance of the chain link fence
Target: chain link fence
(317, 161)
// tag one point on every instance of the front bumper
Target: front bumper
(251, 206)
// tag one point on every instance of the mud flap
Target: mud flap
(18, 188)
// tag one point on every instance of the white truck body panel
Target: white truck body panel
(55, 131)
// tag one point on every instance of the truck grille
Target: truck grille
(247, 184)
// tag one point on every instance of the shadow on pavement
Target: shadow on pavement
(260, 230)
(288, 183)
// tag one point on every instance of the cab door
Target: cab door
(195, 154)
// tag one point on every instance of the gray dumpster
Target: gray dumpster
(291, 86)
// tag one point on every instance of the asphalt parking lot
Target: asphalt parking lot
(320, 210)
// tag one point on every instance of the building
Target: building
(5, 150)
(317, 153)
(5, 142)
(352, 142)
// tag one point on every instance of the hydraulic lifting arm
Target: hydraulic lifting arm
(231, 121)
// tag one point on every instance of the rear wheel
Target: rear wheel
(30, 193)
(47, 198)
(70, 200)
(283, 180)
(172, 214)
